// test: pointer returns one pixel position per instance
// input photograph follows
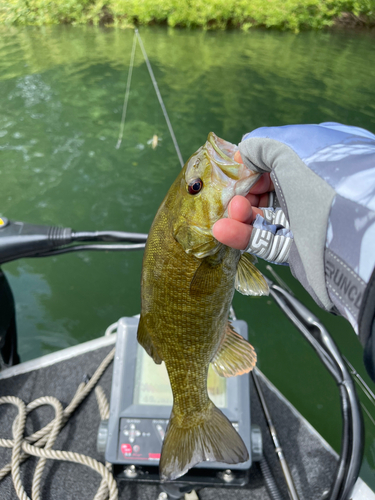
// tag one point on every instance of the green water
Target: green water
(62, 91)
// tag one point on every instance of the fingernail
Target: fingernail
(237, 157)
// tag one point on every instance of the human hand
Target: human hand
(289, 155)
(314, 168)
(325, 184)
(264, 232)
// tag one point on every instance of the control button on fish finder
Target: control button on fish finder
(132, 434)
(126, 449)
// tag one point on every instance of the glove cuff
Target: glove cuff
(271, 238)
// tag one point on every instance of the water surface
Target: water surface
(62, 91)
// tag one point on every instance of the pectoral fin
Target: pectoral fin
(197, 241)
(144, 339)
(205, 279)
(249, 280)
(235, 355)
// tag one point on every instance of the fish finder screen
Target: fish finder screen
(152, 385)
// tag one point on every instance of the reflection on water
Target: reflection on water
(33, 318)
(62, 91)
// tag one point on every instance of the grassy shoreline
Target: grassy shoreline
(294, 15)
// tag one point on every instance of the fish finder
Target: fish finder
(141, 403)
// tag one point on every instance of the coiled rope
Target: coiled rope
(40, 443)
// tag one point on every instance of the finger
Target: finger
(237, 157)
(263, 185)
(263, 200)
(241, 210)
(256, 200)
(253, 199)
(232, 233)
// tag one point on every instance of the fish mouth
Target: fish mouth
(227, 175)
(234, 178)
(222, 153)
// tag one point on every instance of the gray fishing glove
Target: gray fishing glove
(324, 178)
(271, 238)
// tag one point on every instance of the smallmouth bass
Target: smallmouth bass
(188, 282)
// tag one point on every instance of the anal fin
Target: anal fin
(234, 356)
(144, 338)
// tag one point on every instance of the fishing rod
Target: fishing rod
(292, 491)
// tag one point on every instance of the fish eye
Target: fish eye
(195, 186)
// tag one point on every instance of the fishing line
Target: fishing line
(127, 92)
(368, 413)
(280, 281)
(137, 36)
(364, 388)
(153, 79)
(361, 383)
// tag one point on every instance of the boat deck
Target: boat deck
(311, 460)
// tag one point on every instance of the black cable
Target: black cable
(19, 240)
(80, 248)
(352, 434)
(108, 236)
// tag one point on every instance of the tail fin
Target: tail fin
(212, 438)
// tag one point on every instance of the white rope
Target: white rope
(111, 329)
(35, 489)
(102, 403)
(104, 415)
(22, 447)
